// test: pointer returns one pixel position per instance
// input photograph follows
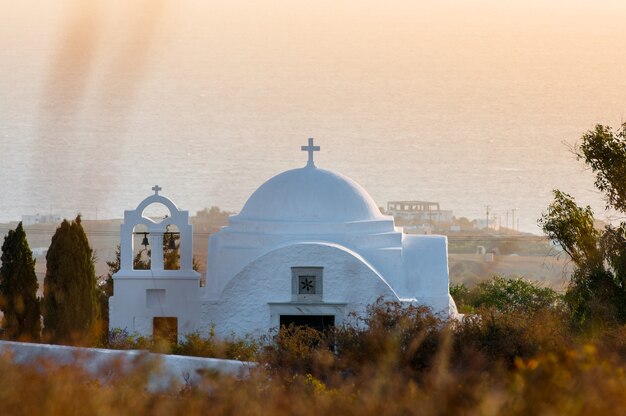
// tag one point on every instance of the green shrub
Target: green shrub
(506, 295)
(195, 344)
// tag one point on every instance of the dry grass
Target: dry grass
(407, 362)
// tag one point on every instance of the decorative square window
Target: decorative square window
(306, 283)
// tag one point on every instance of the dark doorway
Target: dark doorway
(319, 322)
(165, 329)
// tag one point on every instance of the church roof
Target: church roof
(310, 194)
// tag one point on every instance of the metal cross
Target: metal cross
(156, 189)
(310, 148)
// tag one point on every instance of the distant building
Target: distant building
(40, 219)
(39, 251)
(425, 229)
(422, 212)
(482, 223)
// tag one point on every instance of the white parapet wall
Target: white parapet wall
(169, 370)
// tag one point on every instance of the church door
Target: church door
(165, 329)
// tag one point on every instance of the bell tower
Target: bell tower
(151, 299)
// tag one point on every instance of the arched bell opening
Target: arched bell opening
(142, 251)
(156, 236)
(171, 248)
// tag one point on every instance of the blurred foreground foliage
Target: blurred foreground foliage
(396, 360)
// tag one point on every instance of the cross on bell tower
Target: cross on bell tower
(310, 148)
(156, 189)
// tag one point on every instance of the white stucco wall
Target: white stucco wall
(130, 309)
(425, 262)
(245, 306)
(235, 246)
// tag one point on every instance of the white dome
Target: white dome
(310, 194)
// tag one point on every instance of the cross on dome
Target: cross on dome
(156, 189)
(310, 148)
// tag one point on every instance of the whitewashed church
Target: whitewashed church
(309, 247)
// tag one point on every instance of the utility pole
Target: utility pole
(513, 219)
(507, 221)
(487, 223)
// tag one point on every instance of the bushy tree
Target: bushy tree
(597, 292)
(18, 288)
(508, 295)
(70, 307)
(604, 151)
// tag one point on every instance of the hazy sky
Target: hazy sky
(483, 91)
(494, 43)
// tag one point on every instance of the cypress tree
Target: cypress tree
(70, 306)
(18, 288)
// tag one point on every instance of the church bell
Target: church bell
(172, 243)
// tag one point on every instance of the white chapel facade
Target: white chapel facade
(310, 246)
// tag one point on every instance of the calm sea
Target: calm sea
(448, 104)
